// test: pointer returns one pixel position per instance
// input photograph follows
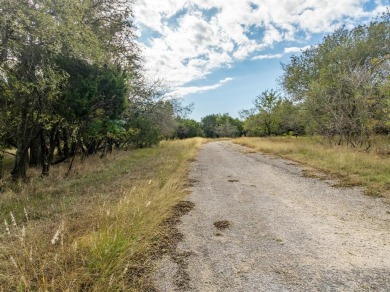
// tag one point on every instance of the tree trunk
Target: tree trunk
(73, 148)
(58, 142)
(21, 161)
(1, 166)
(65, 135)
(48, 154)
(44, 151)
(23, 141)
(53, 144)
(35, 149)
(109, 146)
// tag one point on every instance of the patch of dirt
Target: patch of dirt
(182, 278)
(191, 182)
(166, 244)
(221, 225)
(182, 208)
(138, 276)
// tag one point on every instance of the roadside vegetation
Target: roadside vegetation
(210, 126)
(353, 167)
(339, 89)
(97, 228)
(88, 175)
(335, 115)
(72, 83)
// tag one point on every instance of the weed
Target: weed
(95, 228)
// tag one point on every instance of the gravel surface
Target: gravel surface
(259, 225)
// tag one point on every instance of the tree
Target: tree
(265, 103)
(152, 115)
(289, 118)
(340, 82)
(29, 79)
(91, 105)
(33, 33)
(217, 125)
(209, 124)
(273, 115)
(188, 128)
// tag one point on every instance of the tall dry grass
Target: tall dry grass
(370, 169)
(91, 230)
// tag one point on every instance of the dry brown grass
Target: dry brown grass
(94, 230)
(352, 166)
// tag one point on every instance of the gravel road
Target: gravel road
(286, 232)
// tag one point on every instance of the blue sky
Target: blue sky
(221, 54)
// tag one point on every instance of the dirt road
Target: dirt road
(286, 232)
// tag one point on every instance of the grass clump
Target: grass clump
(95, 229)
(370, 169)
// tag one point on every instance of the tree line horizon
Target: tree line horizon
(72, 83)
(339, 89)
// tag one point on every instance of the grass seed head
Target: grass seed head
(25, 213)
(13, 262)
(30, 257)
(56, 237)
(7, 227)
(13, 219)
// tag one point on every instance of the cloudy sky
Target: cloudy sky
(221, 54)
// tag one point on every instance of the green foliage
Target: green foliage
(209, 124)
(273, 115)
(91, 91)
(252, 125)
(341, 82)
(217, 125)
(153, 119)
(67, 69)
(144, 133)
(92, 101)
(188, 128)
(266, 103)
(289, 118)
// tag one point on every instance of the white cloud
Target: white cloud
(195, 37)
(183, 91)
(295, 49)
(267, 56)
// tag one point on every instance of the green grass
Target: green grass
(108, 214)
(352, 166)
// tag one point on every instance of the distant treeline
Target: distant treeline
(72, 82)
(339, 89)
